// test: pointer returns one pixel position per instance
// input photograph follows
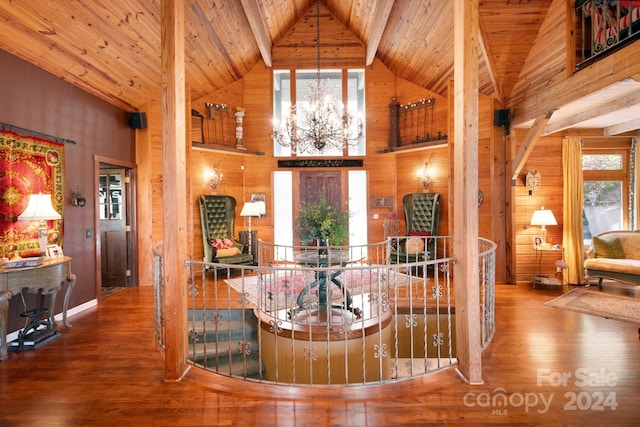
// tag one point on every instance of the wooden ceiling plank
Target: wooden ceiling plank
(83, 73)
(233, 73)
(628, 126)
(258, 28)
(591, 113)
(381, 16)
(488, 59)
(80, 35)
(618, 66)
(95, 23)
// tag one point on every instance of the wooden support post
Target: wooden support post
(465, 189)
(173, 187)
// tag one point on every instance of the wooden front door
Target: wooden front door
(312, 184)
(113, 227)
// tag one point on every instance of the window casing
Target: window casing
(605, 173)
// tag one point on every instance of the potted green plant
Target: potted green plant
(321, 222)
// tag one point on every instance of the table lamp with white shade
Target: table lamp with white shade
(40, 209)
(543, 218)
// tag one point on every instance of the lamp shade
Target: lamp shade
(543, 217)
(39, 208)
(253, 209)
(262, 209)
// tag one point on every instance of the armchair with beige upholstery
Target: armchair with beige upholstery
(217, 217)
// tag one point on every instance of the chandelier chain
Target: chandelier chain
(323, 123)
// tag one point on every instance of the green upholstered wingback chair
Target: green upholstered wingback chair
(218, 216)
(421, 214)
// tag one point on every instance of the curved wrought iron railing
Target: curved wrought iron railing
(308, 315)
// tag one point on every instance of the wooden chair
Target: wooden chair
(217, 217)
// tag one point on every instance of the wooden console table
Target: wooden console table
(46, 278)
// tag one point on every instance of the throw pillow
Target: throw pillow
(414, 245)
(227, 252)
(608, 248)
(224, 243)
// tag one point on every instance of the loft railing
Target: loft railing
(413, 125)
(374, 322)
(158, 294)
(602, 26)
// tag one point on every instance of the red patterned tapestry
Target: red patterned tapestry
(28, 165)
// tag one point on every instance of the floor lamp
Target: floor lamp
(251, 210)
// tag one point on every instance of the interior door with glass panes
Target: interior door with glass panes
(113, 227)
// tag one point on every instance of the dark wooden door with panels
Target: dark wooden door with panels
(113, 206)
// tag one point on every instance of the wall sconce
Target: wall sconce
(40, 209)
(77, 199)
(215, 178)
(423, 175)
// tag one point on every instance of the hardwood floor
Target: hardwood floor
(108, 369)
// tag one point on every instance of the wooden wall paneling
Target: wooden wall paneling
(258, 123)
(258, 175)
(144, 196)
(409, 164)
(498, 206)
(492, 185)
(408, 167)
(202, 161)
(485, 165)
(232, 96)
(510, 204)
(381, 169)
(547, 159)
(189, 184)
(547, 59)
(382, 178)
(381, 86)
(338, 46)
(407, 92)
(452, 142)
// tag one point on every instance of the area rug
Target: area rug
(281, 290)
(596, 303)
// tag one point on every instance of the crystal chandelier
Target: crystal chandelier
(323, 123)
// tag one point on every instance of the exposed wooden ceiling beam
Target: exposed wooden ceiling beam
(528, 144)
(618, 66)
(488, 60)
(591, 113)
(259, 29)
(622, 127)
(381, 16)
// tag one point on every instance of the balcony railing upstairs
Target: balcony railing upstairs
(602, 26)
(329, 316)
